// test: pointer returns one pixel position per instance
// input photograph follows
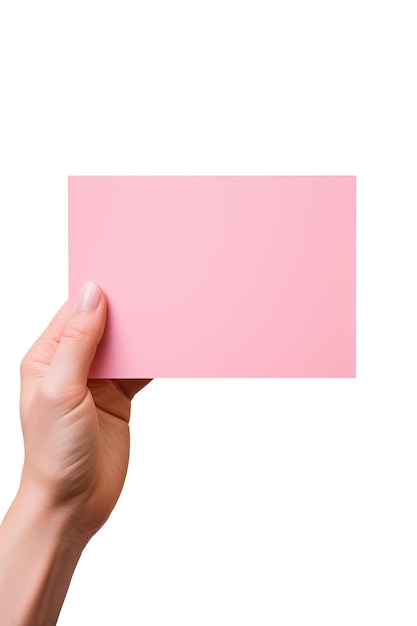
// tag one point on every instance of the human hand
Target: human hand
(76, 431)
(76, 437)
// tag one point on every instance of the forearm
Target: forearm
(38, 554)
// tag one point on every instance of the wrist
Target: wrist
(66, 517)
(59, 521)
(39, 550)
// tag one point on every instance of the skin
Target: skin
(76, 438)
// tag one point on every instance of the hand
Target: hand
(76, 431)
(76, 436)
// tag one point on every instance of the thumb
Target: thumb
(78, 342)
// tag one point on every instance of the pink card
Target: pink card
(218, 276)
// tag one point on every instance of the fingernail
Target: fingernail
(89, 298)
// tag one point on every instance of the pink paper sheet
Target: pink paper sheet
(218, 276)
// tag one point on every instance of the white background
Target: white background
(247, 502)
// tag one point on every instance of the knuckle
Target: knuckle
(24, 366)
(48, 395)
(28, 366)
(77, 330)
(62, 396)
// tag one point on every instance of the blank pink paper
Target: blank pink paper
(218, 276)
